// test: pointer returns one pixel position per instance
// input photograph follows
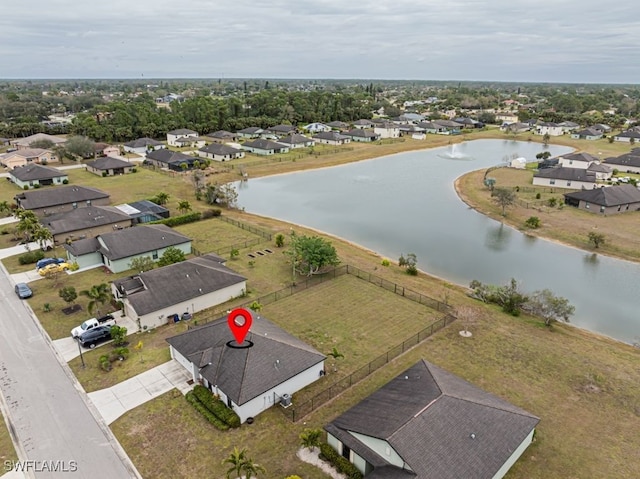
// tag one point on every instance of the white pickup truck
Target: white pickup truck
(107, 320)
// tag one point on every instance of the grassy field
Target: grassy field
(7, 451)
(566, 224)
(215, 234)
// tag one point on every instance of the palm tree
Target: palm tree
(42, 235)
(28, 223)
(4, 207)
(99, 294)
(184, 206)
(252, 469)
(162, 198)
(335, 354)
(237, 459)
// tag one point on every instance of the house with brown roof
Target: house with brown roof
(34, 176)
(250, 380)
(430, 424)
(153, 297)
(27, 156)
(607, 200)
(116, 249)
(109, 166)
(62, 199)
(87, 222)
(25, 143)
(222, 136)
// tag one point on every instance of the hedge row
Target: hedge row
(180, 220)
(211, 213)
(31, 257)
(216, 406)
(340, 463)
(209, 416)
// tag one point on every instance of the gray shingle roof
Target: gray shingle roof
(218, 149)
(337, 124)
(83, 218)
(330, 135)
(182, 131)
(629, 159)
(262, 144)
(629, 134)
(83, 246)
(143, 142)
(581, 156)
(571, 174)
(428, 416)
(361, 133)
(252, 130)
(222, 135)
(244, 374)
(608, 196)
(363, 122)
(167, 156)
(36, 172)
(282, 128)
(180, 282)
(63, 195)
(138, 240)
(109, 163)
(294, 139)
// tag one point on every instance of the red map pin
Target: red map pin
(239, 321)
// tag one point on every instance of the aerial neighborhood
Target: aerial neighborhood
(132, 235)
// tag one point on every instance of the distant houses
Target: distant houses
(109, 166)
(27, 156)
(171, 160)
(220, 152)
(142, 145)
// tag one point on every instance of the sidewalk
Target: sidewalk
(113, 402)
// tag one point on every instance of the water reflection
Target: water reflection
(497, 238)
(591, 259)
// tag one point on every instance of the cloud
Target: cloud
(526, 40)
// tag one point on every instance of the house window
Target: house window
(568, 183)
(571, 162)
(552, 182)
(74, 205)
(88, 202)
(586, 205)
(154, 255)
(602, 209)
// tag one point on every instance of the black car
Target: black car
(95, 336)
(23, 291)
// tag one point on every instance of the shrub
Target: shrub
(533, 222)
(36, 186)
(538, 196)
(385, 262)
(119, 354)
(104, 363)
(180, 220)
(340, 463)
(65, 181)
(74, 266)
(134, 170)
(104, 174)
(255, 306)
(46, 307)
(552, 202)
(279, 240)
(4, 232)
(25, 187)
(216, 407)
(209, 416)
(235, 252)
(31, 257)
(211, 213)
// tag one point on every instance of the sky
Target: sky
(572, 41)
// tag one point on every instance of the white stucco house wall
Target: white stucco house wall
(142, 145)
(274, 364)
(175, 135)
(552, 129)
(153, 298)
(570, 178)
(387, 130)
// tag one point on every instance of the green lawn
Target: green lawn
(215, 234)
(7, 451)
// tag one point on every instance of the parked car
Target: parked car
(23, 290)
(41, 263)
(92, 323)
(93, 337)
(53, 268)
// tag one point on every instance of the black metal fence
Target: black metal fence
(300, 410)
(246, 227)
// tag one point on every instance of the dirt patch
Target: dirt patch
(72, 309)
(591, 388)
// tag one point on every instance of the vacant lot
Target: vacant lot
(566, 224)
(216, 235)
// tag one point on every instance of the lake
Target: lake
(406, 203)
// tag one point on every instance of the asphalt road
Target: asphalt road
(48, 412)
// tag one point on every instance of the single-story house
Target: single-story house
(515, 127)
(219, 152)
(190, 142)
(172, 160)
(117, 249)
(601, 127)
(296, 140)
(450, 127)
(331, 138)
(387, 130)
(602, 172)
(105, 149)
(25, 143)
(550, 128)
(222, 136)
(109, 166)
(174, 135)
(282, 130)
(412, 130)
(142, 145)
(316, 127)
(574, 178)
(264, 147)
(506, 117)
(34, 174)
(431, 127)
(568, 126)
(153, 297)
(607, 200)
(627, 163)
(362, 135)
(338, 125)
(27, 156)
(627, 136)
(250, 133)
(249, 380)
(363, 124)
(87, 222)
(144, 211)
(427, 423)
(577, 160)
(469, 122)
(59, 200)
(587, 134)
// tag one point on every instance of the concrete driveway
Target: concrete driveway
(68, 347)
(113, 402)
